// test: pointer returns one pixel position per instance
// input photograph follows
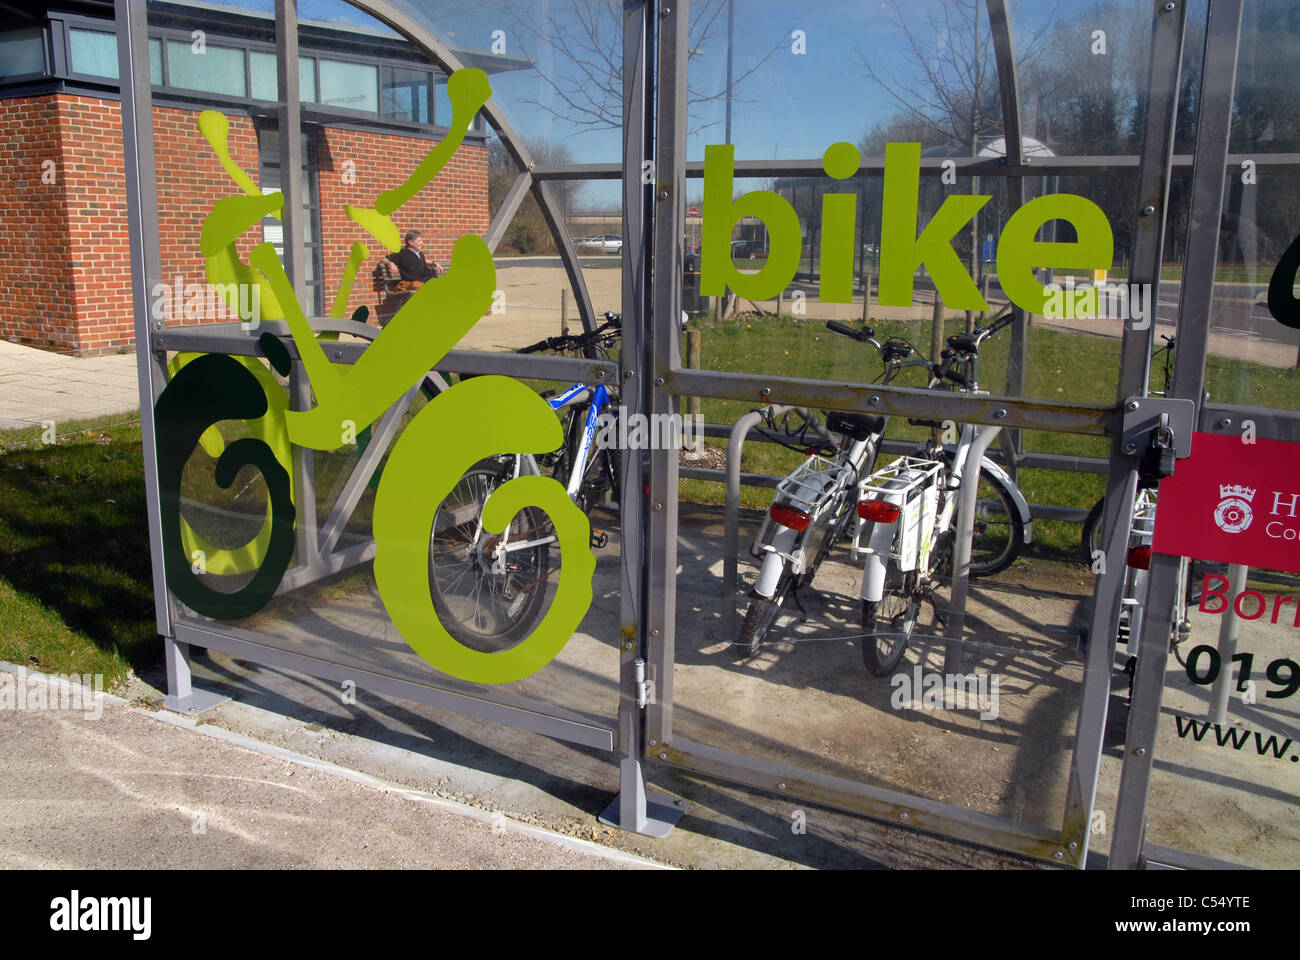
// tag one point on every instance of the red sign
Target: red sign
(1234, 502)
(694, 212)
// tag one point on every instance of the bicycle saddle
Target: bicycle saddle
(859, 426)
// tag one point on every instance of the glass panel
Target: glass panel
(94, 52)
(1229, 730)
(22, 52)
(217, 70)
(155, 62)
(1082, 74)
(1253, 352)
(307, 79)
(350, 85)
(406, 94)
(262, 68)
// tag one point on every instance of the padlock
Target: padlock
(1158, 460)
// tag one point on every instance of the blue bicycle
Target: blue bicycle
(490, 590)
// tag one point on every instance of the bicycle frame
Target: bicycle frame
(599, 398)
(811, 488)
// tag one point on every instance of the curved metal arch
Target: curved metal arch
(442, 56)
(1004, 50)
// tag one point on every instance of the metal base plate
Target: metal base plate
(195, 703)
(661, 814)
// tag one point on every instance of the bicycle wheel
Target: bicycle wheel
(487, 595)
(998, 533)
(889, 623)
(759, 617)
(1091, 538)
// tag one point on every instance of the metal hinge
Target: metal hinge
(645, 689)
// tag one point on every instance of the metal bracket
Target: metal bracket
(645, 689)
(1142, 416)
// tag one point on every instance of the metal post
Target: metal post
(142, 225)
(1214, 120)
(1229, 627)
(637, 808)
(564, 313)
(866, 298)
(966, 499)
(936, 327)
(693, 402)
(291, 158)
(146, 269)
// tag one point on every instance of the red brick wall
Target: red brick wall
(190, 180)
(36, 277)
(91, 133)
(65, 268)
(454, 204)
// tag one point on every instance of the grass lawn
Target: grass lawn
(76, 591)
(1062, 366)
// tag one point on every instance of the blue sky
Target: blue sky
(792, 106)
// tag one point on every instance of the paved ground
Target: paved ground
(37, 386)
(116, 786)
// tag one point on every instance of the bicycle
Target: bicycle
(906, 513)
(489, 590)
(811, 510)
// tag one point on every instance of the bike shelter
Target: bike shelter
(1038, 749)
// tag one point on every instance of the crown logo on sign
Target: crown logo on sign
(1237, 490)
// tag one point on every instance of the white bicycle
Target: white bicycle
(905, 517)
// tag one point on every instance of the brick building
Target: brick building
(372, 107)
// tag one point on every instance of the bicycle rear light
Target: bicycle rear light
(788, 516)
(1139, 558)
(878, 511)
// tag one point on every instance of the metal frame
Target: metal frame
(651, 374)
(1214, 122)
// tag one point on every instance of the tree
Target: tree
(528, 231)
(588, 78)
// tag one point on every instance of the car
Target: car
(608, 242)
(742, 249)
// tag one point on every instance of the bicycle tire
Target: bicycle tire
(1091, 535)
(999, 535)
(760, 615)
(898, 611)
(485, 610)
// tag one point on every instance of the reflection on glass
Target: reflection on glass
(155, 62)
(354, 86)
(217, 69)
(406, 94)
(22, 52)
(93, 52)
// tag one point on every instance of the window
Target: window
(261, 67)
(217, 70)
(353, 86)
(155, 62)
(406, 94)
(93, 52)
(22, 52)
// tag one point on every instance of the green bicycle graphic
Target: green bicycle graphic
(427, 461)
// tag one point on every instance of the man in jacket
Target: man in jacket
(410, 261)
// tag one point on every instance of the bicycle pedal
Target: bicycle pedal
(599, 539)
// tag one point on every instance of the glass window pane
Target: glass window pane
(307, 79)
(22, 52)
(406, 94)
(261, 66)
(93, 52)
(155, 62)
(215, 70)
(354, 86)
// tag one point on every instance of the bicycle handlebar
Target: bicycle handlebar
(606, 331)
